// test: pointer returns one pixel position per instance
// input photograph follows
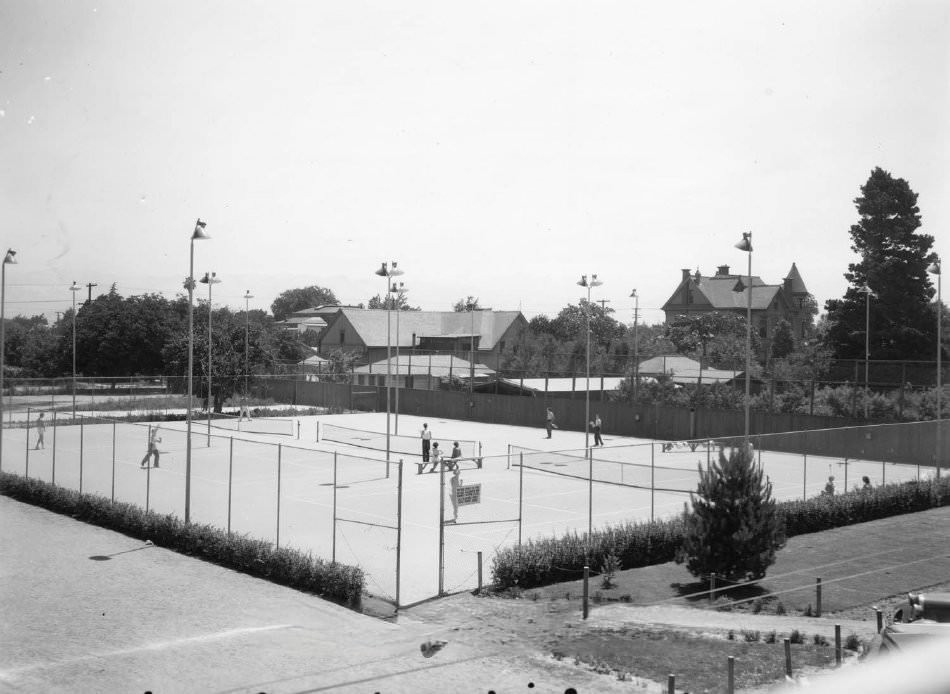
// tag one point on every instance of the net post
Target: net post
(441, 529)
(731, 683)
(508, 458)
(845, 473)
(230, 478)
(479, 573)
(590, 494)
(82, 431)
(148, 483)
(54, 447)
(838, 645)
(818, 597)
(520, 496)
(333, 554)
(318, 431)
(279, 451)
(398, 532)
(788, 657)
(112, 493)
(585, 607)
(27, 472)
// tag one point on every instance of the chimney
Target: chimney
(787, 284)
(723, 271)
(686, 273)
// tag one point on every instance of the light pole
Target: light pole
(388, 273)
(198, 235)
(866, 290)
(746, 245)
(9, 259)
(247, 331)
(636, 344)
(209, 279)
(935, 269)
(590, 284)
(400, 291)
(74, 288)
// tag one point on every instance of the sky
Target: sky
(497, 149)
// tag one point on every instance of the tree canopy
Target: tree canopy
(291, 300)
(893, 265)
(469, 303)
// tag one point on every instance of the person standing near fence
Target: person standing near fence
(454, 482)
(597, 427)
(153, 440)
(456, 454)
(426, 436)
(549, 421)
(40, 426)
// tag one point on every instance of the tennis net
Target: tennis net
(398, 443)
(281, 426)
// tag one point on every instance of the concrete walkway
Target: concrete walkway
(89, 610)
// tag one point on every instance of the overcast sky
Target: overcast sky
(496, 149)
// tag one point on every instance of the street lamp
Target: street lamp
(388, 273)
(636, 344)
(209, 279)
(400, 291)
(198, 235)
(935, 269)
(74, 288)
(247, 331)
(866, 290)
(9, 259)
(584, 282)
(746, 245)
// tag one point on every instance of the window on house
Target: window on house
(501, 346)
(342, 336)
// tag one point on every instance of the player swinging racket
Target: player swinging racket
(153, 440)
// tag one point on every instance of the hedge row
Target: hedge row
(553, 560)
(339, 583)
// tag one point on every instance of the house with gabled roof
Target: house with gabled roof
(727, 292)
(439, 332)
(310, 319)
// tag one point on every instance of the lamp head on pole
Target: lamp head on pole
(10, 258)
(210, 278)
(383, 271)
(247, 294)
(394, 271)
(592, 282)
(746, 243)
(934, 267)
(399, 288)
(865, 289)
(75, 287)
(633, 294)
(199, 233)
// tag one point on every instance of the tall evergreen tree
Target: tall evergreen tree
(734, 528)
(894, 260)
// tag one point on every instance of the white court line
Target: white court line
(161, 645)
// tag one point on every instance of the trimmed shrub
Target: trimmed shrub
(556, 560)
(336, 582)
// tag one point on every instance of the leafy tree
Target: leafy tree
(469, 303)
(395, 301)
(292, 300)
(734, 528)
(783, 343)
(894, 260)
(718, 338)
(30, 344)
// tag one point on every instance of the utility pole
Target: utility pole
(89, 286)
(603, 304)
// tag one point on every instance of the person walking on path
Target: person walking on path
(830, 486)
(456, 454)
(549, 421)
(153, 440)
(426, 435)
(597, 426)
(244, 412)
(436, 457)
(40, 425)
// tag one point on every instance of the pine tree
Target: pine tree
(734, 528)
(894, 259)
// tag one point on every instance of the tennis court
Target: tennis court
(341, 500)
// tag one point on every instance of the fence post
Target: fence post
(81, 438)
(712, 587)
(586, 608)
(398, 531)
(671, 684)
(880, 619)
(441, 530)
(788, 658)
(148, 484)
(230, 477)
(590, 495)
(27, 472)
(479, 572)
(838, 645)
(54, 447)
(333, 555)
(846, 474)
(818, 597)
(279, 451)
(112, 493)
(731, 685)
(520, 495)
(652, 479)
